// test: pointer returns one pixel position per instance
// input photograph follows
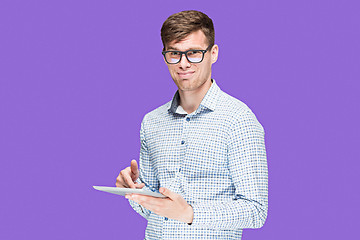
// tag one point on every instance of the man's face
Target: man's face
(192, 76)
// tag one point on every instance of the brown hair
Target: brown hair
(179, 25)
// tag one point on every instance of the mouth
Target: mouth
(185, 74)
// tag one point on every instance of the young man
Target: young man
(204, 150)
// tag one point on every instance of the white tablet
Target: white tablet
(123, 191)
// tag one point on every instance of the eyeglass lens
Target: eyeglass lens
(193, 56)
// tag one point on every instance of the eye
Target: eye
(174, 53)
(193, 52)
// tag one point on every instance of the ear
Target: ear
(214, 53)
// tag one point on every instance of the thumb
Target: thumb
(166, 192)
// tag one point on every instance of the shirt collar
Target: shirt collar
(208, 102)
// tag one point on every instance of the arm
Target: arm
(248, 168)
(147, 175)
(174, 206)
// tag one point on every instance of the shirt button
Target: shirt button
(179, 169)
(182, 142)
(188, 119)
(166, 218)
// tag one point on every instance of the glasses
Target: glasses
(193, 56)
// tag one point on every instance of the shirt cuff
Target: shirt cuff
(203, 216)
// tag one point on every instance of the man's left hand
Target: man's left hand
(174, 206)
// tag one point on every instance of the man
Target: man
(204, 150)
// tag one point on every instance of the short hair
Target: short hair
(179, 25)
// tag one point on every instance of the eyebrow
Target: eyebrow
(176, 49)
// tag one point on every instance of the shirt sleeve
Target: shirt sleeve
(248, 169)
(147, 174)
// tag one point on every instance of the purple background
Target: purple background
(76, 78)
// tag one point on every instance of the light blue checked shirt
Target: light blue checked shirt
(215, 158)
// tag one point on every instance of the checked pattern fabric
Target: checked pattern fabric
(215, 158)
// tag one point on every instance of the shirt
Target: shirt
(214, 158)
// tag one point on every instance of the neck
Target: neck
(190, 100)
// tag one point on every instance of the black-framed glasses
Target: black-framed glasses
(193, 55)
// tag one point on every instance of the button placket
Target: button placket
(185, 128)
(184, 139)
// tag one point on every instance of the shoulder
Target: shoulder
(231, 106)
(236, 111)
(157, 114)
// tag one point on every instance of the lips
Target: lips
(185, 74)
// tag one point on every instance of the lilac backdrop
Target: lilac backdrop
(76, 78)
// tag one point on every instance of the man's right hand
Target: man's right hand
(128, 176)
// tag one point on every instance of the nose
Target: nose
(184, 63)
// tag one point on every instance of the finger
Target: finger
(168, 193)
(134, 168)
(139, 185)
(160, 206)
(119, 181)
(127, 179)
(144, 198)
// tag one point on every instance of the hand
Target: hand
(174, 207)
(127, 177)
